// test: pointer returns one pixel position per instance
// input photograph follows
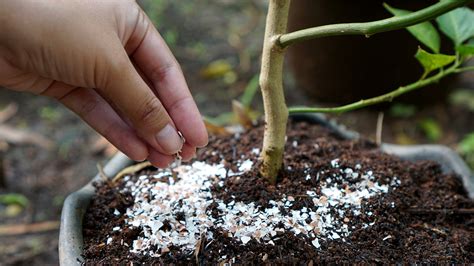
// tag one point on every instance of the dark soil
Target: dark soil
(433, 220)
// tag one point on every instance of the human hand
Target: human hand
(105, 61)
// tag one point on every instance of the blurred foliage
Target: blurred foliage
(171, 37)
(155, 9)
(250, 91)
(402, 110)
(242, 112)
(404, 139)
(216, 69)
(50, 114)
(466, 49)
(14, 199)
(14, 204)
(466, 148)
(58, 200)
(12, 211)
(219, 69)
(431, 129)
(464, 98)
(198, 49)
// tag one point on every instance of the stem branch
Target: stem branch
(387, 97)
(371, 28)
(464, 69)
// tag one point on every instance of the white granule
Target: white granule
(246, 166)
(315, 243)
(176, 213)
(245, 239)
(256, 151)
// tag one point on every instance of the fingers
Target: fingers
(132, 96)
(156, 61)
(158, 159)
(94, 110)
(188, 152)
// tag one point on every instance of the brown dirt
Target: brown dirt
(432, 221)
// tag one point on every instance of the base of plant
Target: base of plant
(336, 201)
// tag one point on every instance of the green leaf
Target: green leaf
(432, 62)
(458, 24)
(424, 32)
(250, 91)
(465, 49)
(467, 144)
(171, 37)
(50, 113)
(13, 199)
(402, 110)
(466, 148)
(463, 98)
(216, 69)
(222, 119)
(431, 129)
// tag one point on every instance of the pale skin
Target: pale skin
(104, 60)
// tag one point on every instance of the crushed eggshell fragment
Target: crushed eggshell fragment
(174, 212)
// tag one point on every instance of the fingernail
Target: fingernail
(169, 140)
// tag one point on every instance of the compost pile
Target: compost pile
(336, 201)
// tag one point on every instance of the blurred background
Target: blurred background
(46, 152)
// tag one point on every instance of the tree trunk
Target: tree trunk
(271, 84)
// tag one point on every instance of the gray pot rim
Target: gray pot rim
(75, 205)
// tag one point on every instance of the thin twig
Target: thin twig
(378, 131)
(102, 174)
(198, 248)
(20, 136)
(3, 176)
(19, 229)
(8, 112)
(131, 170)
(464, 69)
(373, 27)
(429, 227)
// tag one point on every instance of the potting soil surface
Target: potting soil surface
(336, 200)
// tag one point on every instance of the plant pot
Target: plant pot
(344, 69)
(71, 241)
(74, 208)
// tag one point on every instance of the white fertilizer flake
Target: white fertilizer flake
(175, 213)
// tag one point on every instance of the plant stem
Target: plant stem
(271, 84)
(388, 97)
(371, 28)
(464, 69)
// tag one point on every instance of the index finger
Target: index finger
(161, 68)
